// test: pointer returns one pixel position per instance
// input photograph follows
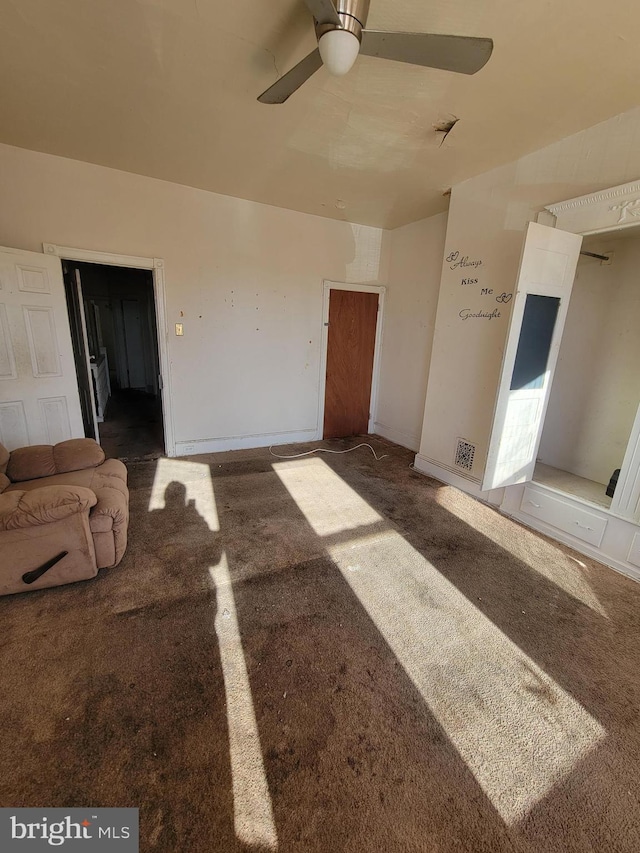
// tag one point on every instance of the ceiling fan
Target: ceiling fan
(340, 30)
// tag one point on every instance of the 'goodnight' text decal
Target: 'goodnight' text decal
(468, 314)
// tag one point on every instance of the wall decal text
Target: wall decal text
(468, 314)
(456, 262)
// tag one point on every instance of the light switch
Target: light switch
(179, 329)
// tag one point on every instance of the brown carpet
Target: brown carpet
(329, 654)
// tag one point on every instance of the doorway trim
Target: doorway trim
(375, 373)
(156, 265)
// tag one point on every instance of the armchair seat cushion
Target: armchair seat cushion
(20, 509)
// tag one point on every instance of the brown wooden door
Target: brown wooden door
(351, 342)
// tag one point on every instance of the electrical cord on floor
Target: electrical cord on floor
(326, 450)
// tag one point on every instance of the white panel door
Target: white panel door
(545, 279)
(39, 400)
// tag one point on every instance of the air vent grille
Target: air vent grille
(465, 454)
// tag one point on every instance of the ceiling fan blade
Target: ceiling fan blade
(292, 80)
(323, 11)
(464, 54)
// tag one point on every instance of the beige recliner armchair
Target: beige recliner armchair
(64, 513)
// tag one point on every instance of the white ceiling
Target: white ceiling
(168, 88)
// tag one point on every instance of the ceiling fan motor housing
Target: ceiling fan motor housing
(353, 16)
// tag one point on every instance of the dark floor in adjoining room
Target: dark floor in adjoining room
(132, 428)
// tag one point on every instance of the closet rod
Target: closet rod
(593, 255)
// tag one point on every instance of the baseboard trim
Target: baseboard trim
(438, 472)
(243, 442)
(466, 484)
(397, 436)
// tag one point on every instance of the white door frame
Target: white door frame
(85, 351)
(156, 265)
(375, 377)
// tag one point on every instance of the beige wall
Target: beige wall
(487, 219)
(245, 279)
(596, 389)
(410, 313)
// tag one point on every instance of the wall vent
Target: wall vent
(465, 454)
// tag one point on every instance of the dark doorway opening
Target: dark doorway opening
(113, 320)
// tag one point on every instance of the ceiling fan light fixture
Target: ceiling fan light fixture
(341, 30)
(339, 50)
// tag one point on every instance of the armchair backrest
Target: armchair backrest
(45, 460)
(4, 461)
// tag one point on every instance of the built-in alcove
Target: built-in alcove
(555, 455)
(595, 394)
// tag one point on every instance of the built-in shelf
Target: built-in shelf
(572, 484)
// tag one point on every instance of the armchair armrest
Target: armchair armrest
(20, 509)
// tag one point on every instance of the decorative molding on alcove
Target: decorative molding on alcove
(595, 213)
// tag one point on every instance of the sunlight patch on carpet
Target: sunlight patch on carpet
(327, 502)
(547, 559)
(195, 477)
(517, 730)
(252, 808)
